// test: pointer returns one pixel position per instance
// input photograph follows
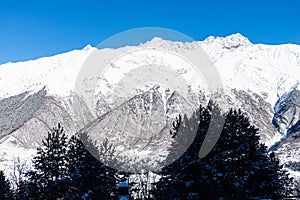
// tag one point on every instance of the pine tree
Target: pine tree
(83, 169)
(5, 190)
(70, 169)
(237, 167)
(172, 185)
(89, 177)
(21, 192)
(48, 180)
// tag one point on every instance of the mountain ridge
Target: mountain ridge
(263, 77)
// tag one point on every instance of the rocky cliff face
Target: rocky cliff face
(286, 120)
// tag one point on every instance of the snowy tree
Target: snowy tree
(48, 178)
(237, 167)
(69, 169)
(89, 177)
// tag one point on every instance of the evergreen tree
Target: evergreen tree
(70, 169)
(48, 180)
(21, 192)
(89, 177)
(237, 167)
(5, 190)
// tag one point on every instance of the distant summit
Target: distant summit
(229, 42)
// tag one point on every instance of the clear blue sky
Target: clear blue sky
(32, 29)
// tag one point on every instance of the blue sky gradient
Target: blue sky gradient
(31, 29)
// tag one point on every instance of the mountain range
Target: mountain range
(262, 80)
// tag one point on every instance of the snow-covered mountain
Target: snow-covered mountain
(261, 79)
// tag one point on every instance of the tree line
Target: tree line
(238, 167)
(64, 169)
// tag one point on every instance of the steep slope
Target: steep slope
(256, 78)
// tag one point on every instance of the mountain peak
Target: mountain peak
(229, 42)
(237, 37)
(157, 41)
(87, 47)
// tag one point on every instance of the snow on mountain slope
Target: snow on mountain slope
(57, 73)
(255, 76)
(265, 69)
(268, 70)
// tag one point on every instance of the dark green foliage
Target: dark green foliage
(237, 167)
(65, 169)
(47, 181)
(21, 192)
(5, 190)
(88, 176)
